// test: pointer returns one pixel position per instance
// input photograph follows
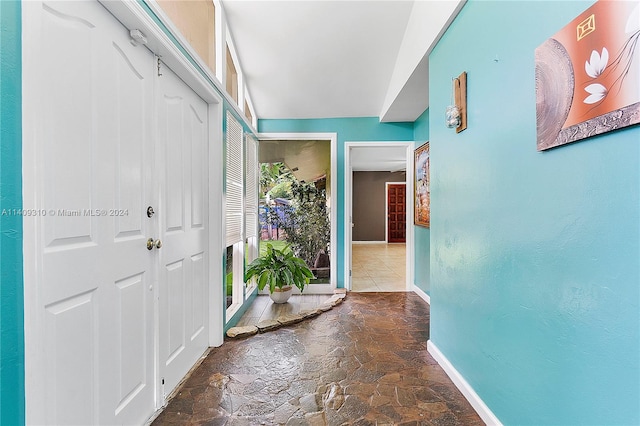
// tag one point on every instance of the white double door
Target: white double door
(111, 326)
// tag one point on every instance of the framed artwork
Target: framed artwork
(421, 196)
(588, 75)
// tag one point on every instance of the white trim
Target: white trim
(386, 208)
(216, 226)
(236, 65)
(220, 29)
(424, 296)
(333, 212)
(237, 293)
(474, 399)
(348, 216)
(386, 211)
(348, 206)
(368, 242)
(252, 110)
(231, 310)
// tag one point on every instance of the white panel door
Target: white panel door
(89, 109)
(105, 137)
(183, 152)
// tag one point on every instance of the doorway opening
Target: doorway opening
(297, 177)
(375, 258)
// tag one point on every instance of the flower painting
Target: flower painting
(588, 75)
(422, 197)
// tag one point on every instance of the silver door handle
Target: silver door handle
(151, 243)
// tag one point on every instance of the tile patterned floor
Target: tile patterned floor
(362, 363)
(378, 267)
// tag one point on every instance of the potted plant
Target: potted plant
(280, 270)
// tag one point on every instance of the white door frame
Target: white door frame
(348, 206)
(333, 213)
(386, 208)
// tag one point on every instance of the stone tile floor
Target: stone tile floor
(364, 362)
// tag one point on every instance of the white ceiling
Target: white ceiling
(337, 58)
(379, 158)
(323, 58)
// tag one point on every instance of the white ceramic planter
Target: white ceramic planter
(281, 295)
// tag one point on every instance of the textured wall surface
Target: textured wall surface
(534, 255)
(369, 201)
(11, 290)
(364, 129)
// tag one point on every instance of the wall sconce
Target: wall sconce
(456, 113)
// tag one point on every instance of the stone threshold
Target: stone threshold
(284, 320)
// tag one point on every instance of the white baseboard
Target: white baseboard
(368, 242)
(417, 290)
(474, 399)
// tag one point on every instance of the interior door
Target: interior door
(106, 317)
(182, 144)
(396, 213)
(88, 104)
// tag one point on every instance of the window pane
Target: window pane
(229, 276)
(232, 77)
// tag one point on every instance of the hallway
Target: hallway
(378, 267)
(365, 362)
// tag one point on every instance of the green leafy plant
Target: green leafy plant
(279, 268)
(306, 222)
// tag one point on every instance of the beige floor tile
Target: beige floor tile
(390, 285)
(378, 267)
(386, 274)
(360, 273)
(363, 284)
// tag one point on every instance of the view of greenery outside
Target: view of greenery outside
(306, 222)
(229, 275)
(294, 213)
(277, 244)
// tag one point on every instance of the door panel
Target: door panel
(131, 153)
(198, 299)
(66, 36)
(182, 140)
(92, 347)
(197, 168)
(127, 358)
(172, 133)
(131, 338)
(396, 213)
(71, 346)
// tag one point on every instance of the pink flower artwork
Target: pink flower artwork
(588, 75)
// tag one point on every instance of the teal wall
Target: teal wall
(365, 129)
(11, 290)
(535, 256)
(422, 235)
